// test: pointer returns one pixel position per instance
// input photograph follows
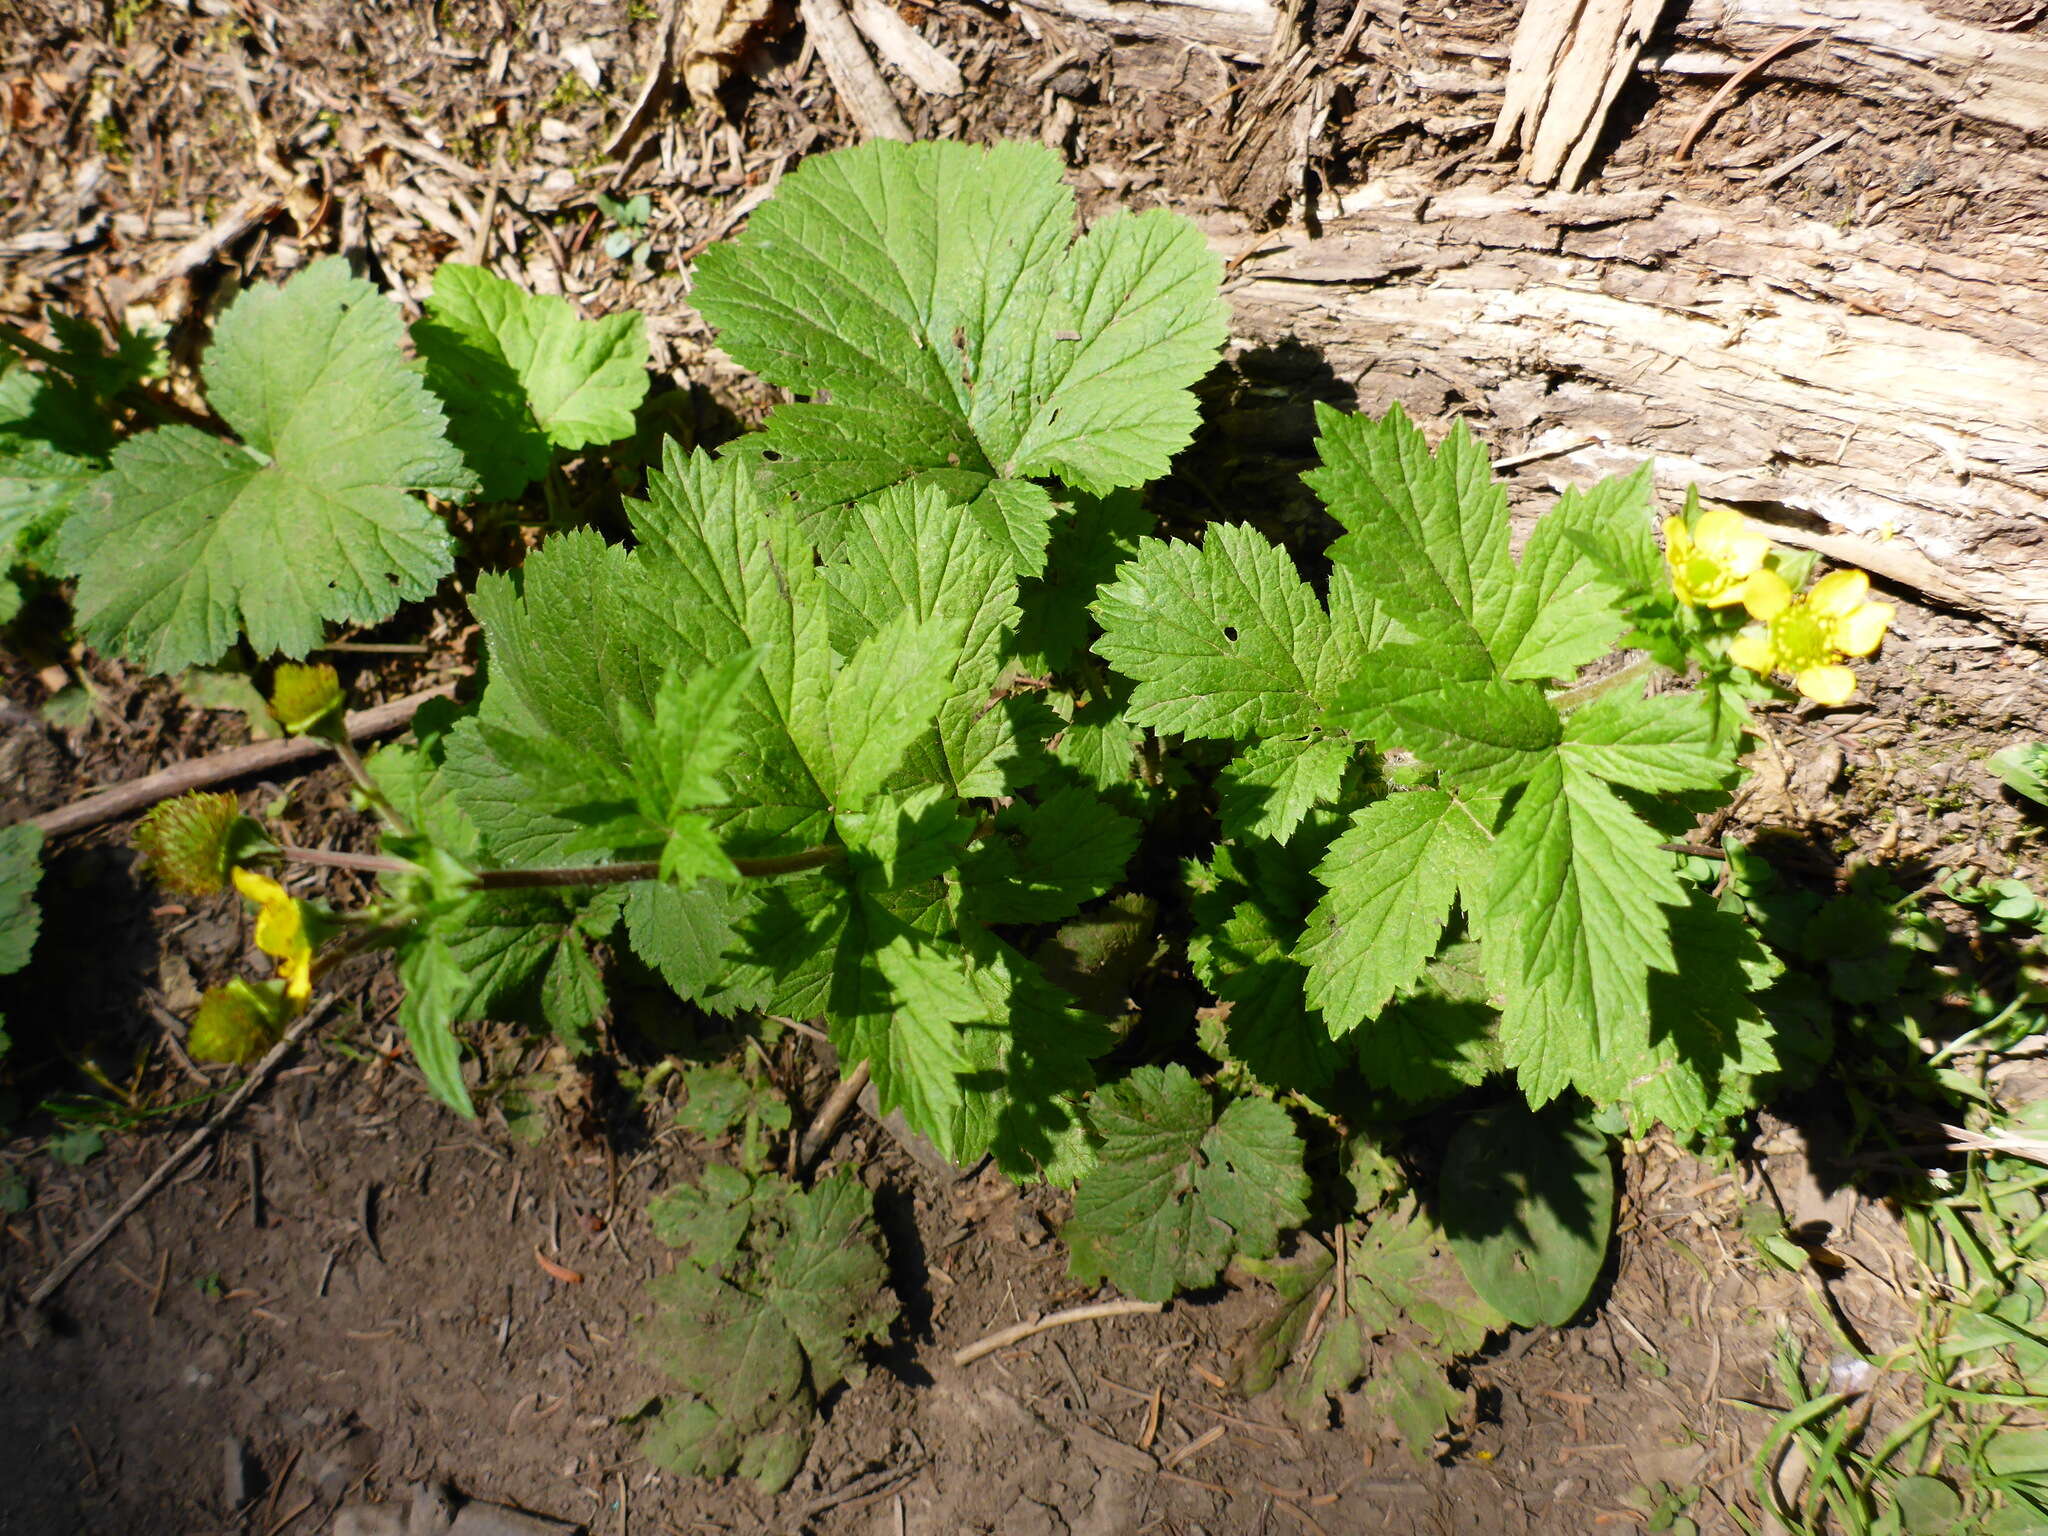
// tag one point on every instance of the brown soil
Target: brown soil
(355, 1291)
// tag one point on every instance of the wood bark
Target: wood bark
(1882, 401)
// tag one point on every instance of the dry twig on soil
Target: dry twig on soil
(1002, 1338)
(69, 1265)
(237, 762)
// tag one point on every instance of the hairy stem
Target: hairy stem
(1568, 699)
(373, 792)
(570, 875)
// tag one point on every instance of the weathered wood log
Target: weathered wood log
(1889, 50)
(1241, 27)
(1883, 400)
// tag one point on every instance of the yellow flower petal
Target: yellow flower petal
(1827, 685)
(1859, 633)
(1766, 595)
(1732, 539)
(280, 932)
(1838, 594)
(1752, 649)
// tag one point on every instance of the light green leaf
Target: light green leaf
(2023, 768)
(1573, 922)
(909, 552)
(434, 987)
(1563, 611)
(1177, 1188)
(198, 540)
(885, 697)
(1390, 878)
(1668, 742)
(1266, 790)
(522, 375)
(1224, 639)
(936, 294)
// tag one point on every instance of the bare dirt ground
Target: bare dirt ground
(353, 1291)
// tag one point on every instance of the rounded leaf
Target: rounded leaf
(1528, 1205)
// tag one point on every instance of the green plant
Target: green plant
(774, 1293)
(58, 426)
(20, 918)
(871, 720)
(310, 513)
(631, 217)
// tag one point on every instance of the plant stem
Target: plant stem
(373, 792)
(1568, 699)
(571, 875)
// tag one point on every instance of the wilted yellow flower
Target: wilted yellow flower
(237, 1022)
(281, 933)
(1808, 636)
(1712, 560)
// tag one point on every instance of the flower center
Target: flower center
(1800, 638)
(1706, 576)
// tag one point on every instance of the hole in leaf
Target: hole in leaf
(1230, 633)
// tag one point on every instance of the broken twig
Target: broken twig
(235, 763)
(1003, 1338)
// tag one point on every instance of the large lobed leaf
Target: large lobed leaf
(775, 1295)
(523, 375)
(1178, 1188)
(310, 518)
(966, 340)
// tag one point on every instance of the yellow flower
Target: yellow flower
(281, 933)
(1808, 636)
(1711, 560)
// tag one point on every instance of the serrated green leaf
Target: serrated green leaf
(908, 552)
(1223, 639)
(885, 697)
(198, 540)
(935, 293)
(20, 869)
(1564, 608)
(691, 936)
(1178, 1188)
(1528, 1204)
(507, 947)
(1390, 880)
(522, 375)
(1668, 742)
(1406, 1282)
(1044, 862)
(1483, 737)
(1266, 790)
(1427, 532)
(1575, 919)
(1438, 1037)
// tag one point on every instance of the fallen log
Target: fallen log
(1866, 391)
